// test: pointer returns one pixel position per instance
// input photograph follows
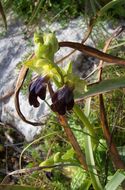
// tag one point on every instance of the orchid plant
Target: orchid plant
(68, 87)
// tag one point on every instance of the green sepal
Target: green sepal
(69, 155)
(48, 162)
(74, 80)
(57, 157)
(68, 68)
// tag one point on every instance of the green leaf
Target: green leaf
(90, 153)
(116, 180)
(47, 162)
(57, 157)
(17, 187)
(68, 155)
(80, 180)
(104, 86)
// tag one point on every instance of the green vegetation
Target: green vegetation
(64, 10)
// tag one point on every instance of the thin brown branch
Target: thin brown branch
(72, 139)
(119, 164)
(107, 44)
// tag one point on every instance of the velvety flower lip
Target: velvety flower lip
(38, 89)
(63, 100)
(49, 175)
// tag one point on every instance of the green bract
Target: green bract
(73, 80)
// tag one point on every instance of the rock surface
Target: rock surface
(13, 47)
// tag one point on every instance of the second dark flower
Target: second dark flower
(63, 100)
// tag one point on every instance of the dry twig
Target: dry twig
(119, 164)
(73, 141)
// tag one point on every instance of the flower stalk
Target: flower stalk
(89, 153)
(82, 117)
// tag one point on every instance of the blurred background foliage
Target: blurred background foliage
(62, 10)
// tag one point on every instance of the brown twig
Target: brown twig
(119, 164)
(116, 33)
(73, 141)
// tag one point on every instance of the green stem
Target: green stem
(91, 162)
(88, 145)
(80, 114)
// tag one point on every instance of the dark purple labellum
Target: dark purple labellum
(63, 100)
(37, 89)
(49, 175)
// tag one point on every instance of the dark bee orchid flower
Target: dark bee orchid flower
(63, 100)
(38, 89)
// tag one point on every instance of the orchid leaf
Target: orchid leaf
(104, 86)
